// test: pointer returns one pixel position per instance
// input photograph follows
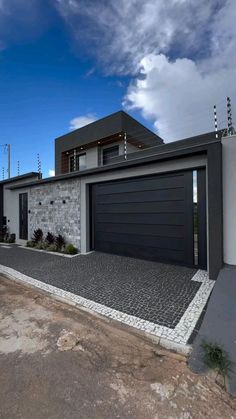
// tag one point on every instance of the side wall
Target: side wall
(229, 198)
(1, 206)
(52, 214)
(11, 204)
(57, 217)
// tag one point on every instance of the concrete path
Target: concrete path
(57, 362)
(219, 324)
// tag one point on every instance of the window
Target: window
(110, 153)
(77, 163)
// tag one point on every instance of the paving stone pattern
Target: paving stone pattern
(155, 292)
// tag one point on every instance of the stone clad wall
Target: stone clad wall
(58, 218)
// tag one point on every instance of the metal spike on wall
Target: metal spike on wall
(74, 160)
(125, 146)
(231, 129)
(216, 123)
(39, 164)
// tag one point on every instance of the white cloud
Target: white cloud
(81, 121)
(179, 97)
(181, 55)
(51, 172)
(122, 32)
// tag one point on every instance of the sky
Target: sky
(66, 63)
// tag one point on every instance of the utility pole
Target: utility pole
(9, 160)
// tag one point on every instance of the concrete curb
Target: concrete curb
(49, 253)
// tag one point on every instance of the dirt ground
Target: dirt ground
(60, 362)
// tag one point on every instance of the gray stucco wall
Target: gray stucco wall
(229, 198)
(58, 218)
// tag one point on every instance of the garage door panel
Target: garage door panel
(142, 207)
(148, 253)
(149, 217)
(171, 194)
(147, 240)
(140, 184)
(142, 229)
(152, 219)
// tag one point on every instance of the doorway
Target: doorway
(23, 216)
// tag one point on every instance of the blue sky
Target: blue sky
(43, 86)
(66, 62)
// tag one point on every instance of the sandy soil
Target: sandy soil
(60, 362)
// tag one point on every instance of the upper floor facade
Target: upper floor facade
(106, 141)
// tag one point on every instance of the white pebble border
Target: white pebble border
(64, 255)
(176, 338)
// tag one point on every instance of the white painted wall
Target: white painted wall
(92, 157)
(11, 209)
(229, 198)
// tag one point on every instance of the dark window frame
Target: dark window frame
(71, 162)
(108, 154)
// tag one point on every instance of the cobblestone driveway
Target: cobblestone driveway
(152, 291)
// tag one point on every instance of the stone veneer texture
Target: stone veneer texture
(53, 215)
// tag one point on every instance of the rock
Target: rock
(67, 340)
(165, 391)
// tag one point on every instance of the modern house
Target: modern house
(119, 189)
(102, 142)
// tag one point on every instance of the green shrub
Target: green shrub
(71, 249)
(37, 235)
(30, 243)
(52, 248)
(41, 246)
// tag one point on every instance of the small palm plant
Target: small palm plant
(37, 235)
(50, 238)
(60, 242)
(217, 359)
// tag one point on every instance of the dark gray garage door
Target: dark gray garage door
(149, 217)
